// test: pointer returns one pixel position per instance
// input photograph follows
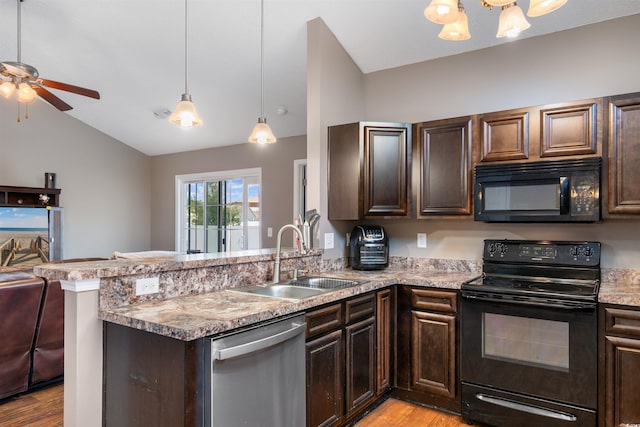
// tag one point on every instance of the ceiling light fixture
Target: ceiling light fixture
(261, 133)
(511, 23)
(185, 114)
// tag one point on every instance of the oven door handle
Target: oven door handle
(574, 306)
(523, 407)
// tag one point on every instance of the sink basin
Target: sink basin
(303, 287)
(321, 282)
(281, 291)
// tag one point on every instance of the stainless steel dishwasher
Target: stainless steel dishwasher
(257, 376)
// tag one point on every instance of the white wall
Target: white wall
(591, 61)
(105, 184)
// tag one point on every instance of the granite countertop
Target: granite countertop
(194, 316)
(620, 287)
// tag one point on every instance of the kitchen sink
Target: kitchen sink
(300, 288)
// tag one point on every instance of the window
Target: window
(218, 211)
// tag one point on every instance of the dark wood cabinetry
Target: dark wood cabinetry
(28, 196)
(620, 366)
(369, 170)
(342, 360)
(442, 166)
(384, 325)
(151, 379)
(427, 353)
(529, 134)
(624, 154)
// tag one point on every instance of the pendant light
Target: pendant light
(185, 114)
(512, 21)
(261, 133)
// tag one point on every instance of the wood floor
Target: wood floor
(397, 413)
(43, 408)
(40, 408)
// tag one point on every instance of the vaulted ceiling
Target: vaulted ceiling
(132, 52)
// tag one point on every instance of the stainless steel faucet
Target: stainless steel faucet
(303, 249)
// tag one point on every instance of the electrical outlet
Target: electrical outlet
(148, 285)
(422, 240)
(328, 240)
(269, 231)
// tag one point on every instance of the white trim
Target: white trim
(209, 176)
(80, 285)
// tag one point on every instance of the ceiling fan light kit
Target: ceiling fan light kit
(185, 114)
(511, 23)
(262, 133)
(16, 75)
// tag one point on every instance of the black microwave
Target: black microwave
(543, 191)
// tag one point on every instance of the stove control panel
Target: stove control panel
(543, 252)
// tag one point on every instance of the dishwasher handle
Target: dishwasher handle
(254, 346)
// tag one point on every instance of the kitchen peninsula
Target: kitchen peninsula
(193, 302)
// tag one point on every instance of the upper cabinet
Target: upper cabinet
(369, 170)
(443, 163)
(529, 134)
(624, 154)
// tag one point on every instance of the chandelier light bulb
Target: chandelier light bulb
(542, 7)
(458, 30)
(7, 89)
(26, 93)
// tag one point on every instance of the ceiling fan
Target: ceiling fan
(16, 75)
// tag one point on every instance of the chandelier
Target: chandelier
(512, 21)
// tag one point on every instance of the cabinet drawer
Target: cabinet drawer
(359, 308)
(429, 299)
(323, 319)
(622, 322)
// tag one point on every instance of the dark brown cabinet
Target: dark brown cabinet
(341, 360)
(369, 170)
(384, 325)
(620, 366)
(443, 164)
(624, 154)
(427, 355)
(529, 134)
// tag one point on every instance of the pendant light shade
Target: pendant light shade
(512, 21)
(542, 7)
(262, 133)
(26, 93)
(7, 89)
(185, 114)
(442, 11)
(458, 30)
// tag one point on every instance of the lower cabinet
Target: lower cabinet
(620, 366)
(427, 350)
(343, 376)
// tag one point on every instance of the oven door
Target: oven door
(540, 353)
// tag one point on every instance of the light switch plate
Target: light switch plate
(422, 240)
(328, 240)
(147, 285)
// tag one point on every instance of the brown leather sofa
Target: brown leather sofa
(20, 299)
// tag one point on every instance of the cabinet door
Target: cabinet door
(387, 156)
(433, 353)
(383, 331)
(444, 150)
(504, 135)
(324, 380)
(624, 154)
(622, 381)
(360, 364)
(573, 128)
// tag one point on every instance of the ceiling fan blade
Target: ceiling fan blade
(70, 88)
(51, 98)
